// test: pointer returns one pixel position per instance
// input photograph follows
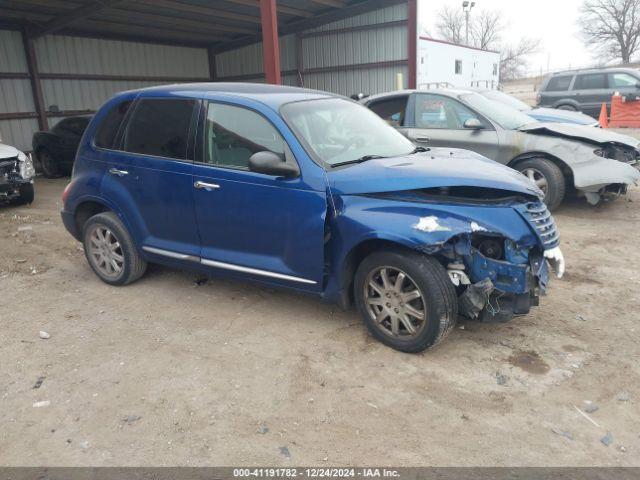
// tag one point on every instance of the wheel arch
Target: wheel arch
(87, 209)
(357, 254)
(566, 170)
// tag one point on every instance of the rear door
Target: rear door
(252, 224)
(438, 121)
(150, 176)
(591, 90)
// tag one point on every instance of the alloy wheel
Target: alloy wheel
(537, 177)
(394, 302)
(105, 251)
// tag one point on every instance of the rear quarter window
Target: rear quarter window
(559, 84)
(108, 128)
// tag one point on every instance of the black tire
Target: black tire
(567, 107)
(27, 194)
(133, 266)
(555, 181)
(48, 163)
(431, 280)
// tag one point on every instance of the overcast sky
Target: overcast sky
(553, 21)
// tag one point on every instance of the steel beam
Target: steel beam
(412, 42)
(34, 77)
(270, 45)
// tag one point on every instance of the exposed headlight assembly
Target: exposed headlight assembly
(27, 171)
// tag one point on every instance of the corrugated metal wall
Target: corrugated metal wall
(328, 60)
(84, 56)
(15, 93)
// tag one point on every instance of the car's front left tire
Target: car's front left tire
(49, 164)
(27, 194)
(406, 299)
(110, 250)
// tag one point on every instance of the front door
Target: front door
(150, 177)
(256, 225)
(438, 121)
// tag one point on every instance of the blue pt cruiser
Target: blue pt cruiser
(309, 191)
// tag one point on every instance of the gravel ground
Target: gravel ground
(168, 372)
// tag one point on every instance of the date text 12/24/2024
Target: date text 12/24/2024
(315, 473)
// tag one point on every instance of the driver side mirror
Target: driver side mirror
(473, 124)
(271, 163)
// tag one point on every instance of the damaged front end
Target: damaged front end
(16, 171)
(496, 251)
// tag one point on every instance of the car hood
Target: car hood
(597, 136)
(438, 167)
(7, 151)
(564, 116)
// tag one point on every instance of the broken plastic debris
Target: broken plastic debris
(556, 260)
(44, 335)
(43, 403)
(477, 228)
(607, 439)
(430, 224)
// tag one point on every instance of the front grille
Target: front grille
(8, 166)
(540, 217)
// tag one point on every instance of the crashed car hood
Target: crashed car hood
(597, 136)
(439, 167)
(7, 151)
(542, 113)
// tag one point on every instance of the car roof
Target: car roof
(449, 92)
(271, 95)
(594, 70)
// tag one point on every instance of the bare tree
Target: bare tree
(513, 58)
(450, 24)
(612, 26)
(486, 28)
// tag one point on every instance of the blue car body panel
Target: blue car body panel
(303, 230)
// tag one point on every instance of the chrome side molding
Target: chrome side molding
(226, 266)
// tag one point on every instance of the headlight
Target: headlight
(27, 171)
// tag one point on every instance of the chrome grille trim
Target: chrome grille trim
(540, 217)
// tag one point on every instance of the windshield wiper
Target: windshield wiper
(364, 158)
(420, 150)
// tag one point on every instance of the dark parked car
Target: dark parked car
(56, 149)
(587, 90)
(309, 191)
(558, 157)
(540, 114)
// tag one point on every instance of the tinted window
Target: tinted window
(559, 84)
(233, 134)
(160, 127)
(391, 110)
(437, 111)
(621, 80)
(107, 130)
(591, 81)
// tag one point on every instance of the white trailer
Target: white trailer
(445, 64)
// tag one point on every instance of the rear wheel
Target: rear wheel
(406, 299)
(50, 167)
(110, 250)
(570, 108)
(547, 176)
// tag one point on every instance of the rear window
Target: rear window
(591, 81)
(108, 129)
(160, 127)
(559, 84)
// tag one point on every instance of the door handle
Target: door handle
(207, 186)
(118, 173)
(422, 139)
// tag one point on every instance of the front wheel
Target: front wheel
(110, 250)
(569, 108)
(406, 299)
(548, 178)
(27, 194)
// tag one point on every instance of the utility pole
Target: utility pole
(466, 7)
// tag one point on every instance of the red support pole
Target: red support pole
(412, 42)
(270, 46)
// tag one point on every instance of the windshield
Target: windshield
(505, 116)
(506, 99)
(337, 130)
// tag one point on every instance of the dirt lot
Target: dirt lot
(166, 372)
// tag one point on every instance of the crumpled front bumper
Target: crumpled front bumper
(604, 177)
